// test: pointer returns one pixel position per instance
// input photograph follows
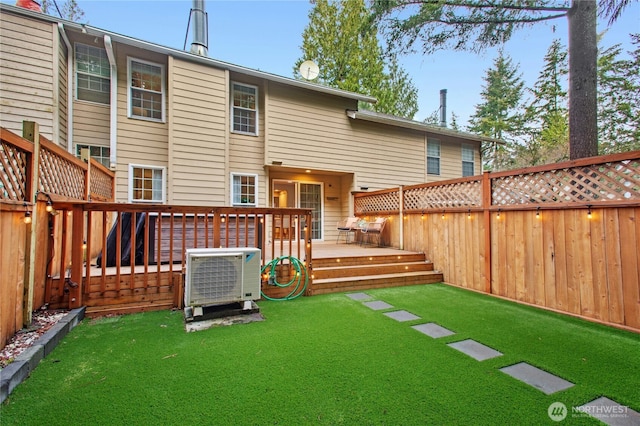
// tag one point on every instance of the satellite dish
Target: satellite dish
(309, 70)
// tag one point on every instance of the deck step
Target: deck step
(367, 260)
(335, 285)
(370, 269)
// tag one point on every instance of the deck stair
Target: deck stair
(354, 273)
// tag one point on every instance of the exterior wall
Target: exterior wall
(311, 130)
(62, 137)
(451, 158)
(139, 141)
(198, 123)
(26, 73)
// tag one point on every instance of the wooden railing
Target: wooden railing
(564, 237)
(114, 257)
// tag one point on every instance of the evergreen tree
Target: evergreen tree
(500, 114)
(346, 48)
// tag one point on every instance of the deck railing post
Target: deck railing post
(31, 131)
(77, 255)
(401, 214)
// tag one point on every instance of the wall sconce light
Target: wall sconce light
(49, 207)
(498, 215)
(442, 215)
(589, 215)
(538, 213)
(84, 245)
(27, 214)
(223, 219)
(469, 214)
(422, 217)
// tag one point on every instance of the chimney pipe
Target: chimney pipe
(200, 28)
(443, 107)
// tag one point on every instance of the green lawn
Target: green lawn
(327, 360)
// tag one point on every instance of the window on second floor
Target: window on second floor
(433, 156)
(146, 184)
(244, 109)
(244, 189)
(99, 153)
(93, 74)
(146, 90)
(468, 163)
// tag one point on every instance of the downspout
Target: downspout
(113, 106)
(70, 74)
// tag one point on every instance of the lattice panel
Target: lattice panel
(13, 173)
(617, 181)
(100, 185)
(461, 194)
(386, 202)
(59, 176)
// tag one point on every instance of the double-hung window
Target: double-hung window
(244, 108)
(244, 189)
(99, 153)
(146, 184)
(146, 90)
(433, 156)
(93, 74)
(468, 163)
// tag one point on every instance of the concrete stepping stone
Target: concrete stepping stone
(358, 296)
(377, 305)
(433, 330)
(539, 379)
(402, 316)
(610, 412)
(475, 349)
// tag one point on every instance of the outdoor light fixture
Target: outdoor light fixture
(538, 213)
(27, 215)
(498, 215)
(442, 216)
(49, 207)
(589, 216)
(422, 217)
(469, 214)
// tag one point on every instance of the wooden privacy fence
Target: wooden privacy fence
(565, 237)
(35, 172)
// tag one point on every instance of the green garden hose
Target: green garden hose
(298, 284)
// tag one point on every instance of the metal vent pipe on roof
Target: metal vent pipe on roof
(200, 28)
(443, 108)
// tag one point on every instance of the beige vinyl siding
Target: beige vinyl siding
(26, 75)
(90, 123)
(246, 152)
(451, 158)
(308, 129)
(197, 130)
(62, 93)
(139, 142)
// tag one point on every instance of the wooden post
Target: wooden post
(77, 252)
(31, 131)
(401, 211)
(486, 208)
(308, 253)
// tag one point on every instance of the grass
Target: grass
(327, 360)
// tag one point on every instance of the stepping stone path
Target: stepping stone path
(475, 350)
(433, 330)
(603, 409)
(539, 379)
(377, 305)
(402, 316)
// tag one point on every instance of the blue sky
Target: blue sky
(267, 35)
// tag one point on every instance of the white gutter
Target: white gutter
(113, 106)
(70, 74)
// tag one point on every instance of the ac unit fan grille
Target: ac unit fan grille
(217, 278)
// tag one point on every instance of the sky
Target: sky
(267, 35)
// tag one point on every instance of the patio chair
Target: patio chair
(347, 227)
(373, 229)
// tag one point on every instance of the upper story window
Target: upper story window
(93, 74)
(146, 184)
(99, 153)
(146, 90)
(433, 156)
(244, 189)
(468, 163)
(244, 108)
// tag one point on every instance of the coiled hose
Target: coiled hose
(297, 282)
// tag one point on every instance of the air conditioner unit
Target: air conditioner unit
(221, 276)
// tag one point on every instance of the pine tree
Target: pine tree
(500, 114)
(340, 39)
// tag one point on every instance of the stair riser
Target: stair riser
(366, 260)
(359, 285)
(373, 270)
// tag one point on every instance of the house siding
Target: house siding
(197, 127)
(26, 74)
(63, 111)
(451, 158)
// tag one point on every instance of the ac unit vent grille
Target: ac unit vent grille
(216, 278)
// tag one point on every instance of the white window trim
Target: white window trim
(75, 77)
(130, 184)
(162, 85)
(256, 110)
(439, 157)
(471, 148)
(231, 193)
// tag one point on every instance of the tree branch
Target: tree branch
(497, 21)
(487, 6)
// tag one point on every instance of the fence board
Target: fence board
(549, 260)
(630, 238)
(12, 229)
(599, 268)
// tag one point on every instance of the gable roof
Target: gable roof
(187, 56)
(393, 120)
